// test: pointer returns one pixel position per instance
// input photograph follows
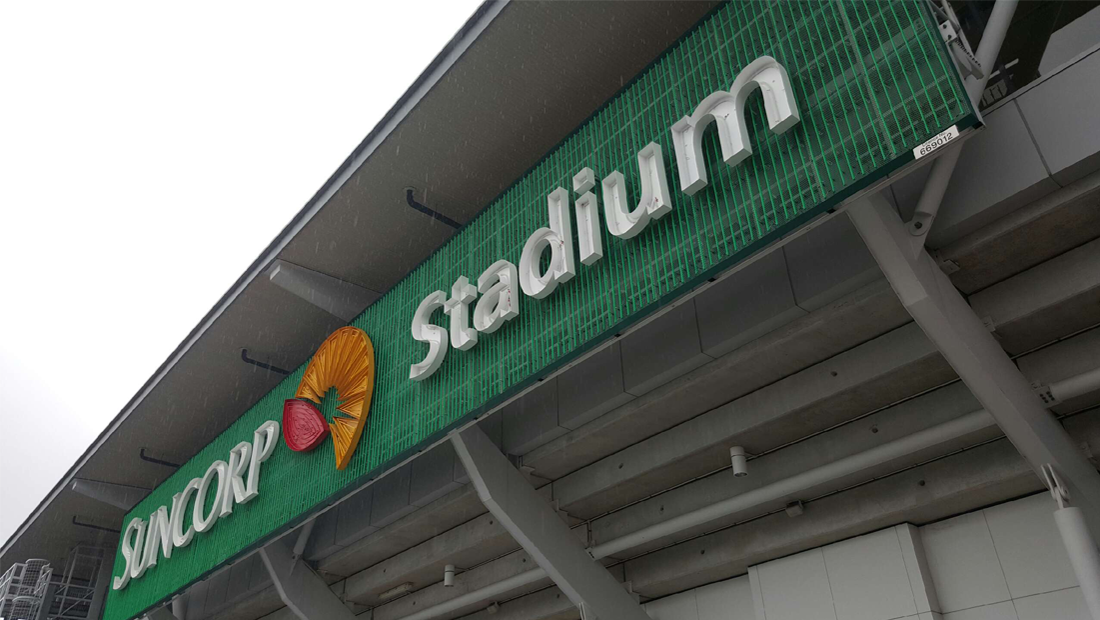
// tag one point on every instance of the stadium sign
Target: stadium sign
(498, 303)
(865, 84)
(144, 541)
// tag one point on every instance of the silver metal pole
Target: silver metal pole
(1083, 555)
(940, 174)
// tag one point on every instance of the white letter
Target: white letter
(205, 522)
(263, 444)
(588, 217)
(235, 490)
(159, 534)
(498, 301)
(137, 565)
(559, 238)
(462, 293)
(134, 527)
(728, 110)
(179, 513)
(654, 202)
(434, 335)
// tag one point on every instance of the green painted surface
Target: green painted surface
(872, 81)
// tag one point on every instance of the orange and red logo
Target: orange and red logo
(345, 361)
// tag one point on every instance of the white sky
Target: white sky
(149, 152)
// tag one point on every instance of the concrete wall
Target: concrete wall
(1045, 137)
(1006, 562)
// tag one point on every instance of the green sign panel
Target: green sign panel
(870, 81)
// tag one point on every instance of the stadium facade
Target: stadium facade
(672, 310)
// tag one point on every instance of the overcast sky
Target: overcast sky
(149, 151)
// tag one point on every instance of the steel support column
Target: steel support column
(539, 529)
(951, 324)
(102, 582)
(303, 591)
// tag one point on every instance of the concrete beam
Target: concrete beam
(975, 355)
(443, 514)
(163, 612)
(392, 544)
(1045, 302)
(472, 543)
(867, 377)
(856, 318)
(337, 297)
(539, 529)
(423, 563)
(303, 591)
(1061, 221)
(470, 581)
(890, 424)
(118, 495)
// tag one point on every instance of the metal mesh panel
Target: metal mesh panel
(872, 81)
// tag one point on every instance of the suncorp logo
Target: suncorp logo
(344, 361)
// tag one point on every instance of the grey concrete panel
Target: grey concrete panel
(322, 541)
(662, 350)
(353, 517)
(1055, 223)
(828, 263)
(196, 600)
(1045, 302)
(219, 586)
(1070, 41)
(532, 420)
(470, 544)
(433, 475)
(1063, 114)
(862, 379)
(493, 427)
(999, 171)
(447, 512)
(546, 604)
(959, 483)
(391, 497)
(592, 388)
(241, 576)
(262, 602)
(746, 305)
(479, 577)
(854, 319)
(887, 425)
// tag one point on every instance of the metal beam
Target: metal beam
(539, 529)
(951, 324)
(928, 205)
(118, 495)
(303, 591)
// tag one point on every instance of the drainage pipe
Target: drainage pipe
(1076, 386)
(879, 455)
(940, 174)
(847, 466)
(482, 594)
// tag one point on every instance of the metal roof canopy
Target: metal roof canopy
(515, 80)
